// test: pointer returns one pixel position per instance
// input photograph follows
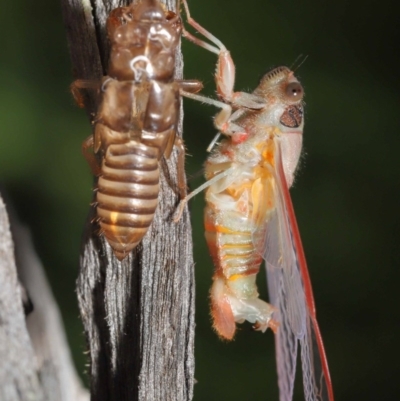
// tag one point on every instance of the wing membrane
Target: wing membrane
(290, 292)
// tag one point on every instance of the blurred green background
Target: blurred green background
(345, 196)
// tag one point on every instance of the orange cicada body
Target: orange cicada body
(249, 218)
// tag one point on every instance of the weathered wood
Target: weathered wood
(58, 376)
(18, 374)
(138, 314)
(35, 363)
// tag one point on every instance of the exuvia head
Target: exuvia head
(150, 10)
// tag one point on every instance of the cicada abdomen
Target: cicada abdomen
(137, 120)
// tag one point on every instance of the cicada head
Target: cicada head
(282, 115)
(285, 99)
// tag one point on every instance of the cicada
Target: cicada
(137, 120)
(249, 217)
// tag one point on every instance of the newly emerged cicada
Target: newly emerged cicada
(249, 217)
(136, 122)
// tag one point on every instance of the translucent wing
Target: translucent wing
(290, 292)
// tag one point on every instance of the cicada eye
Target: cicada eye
(294, 92)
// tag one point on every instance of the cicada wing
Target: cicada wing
(278, 242)
(285, 340)
(316, 382)
(273, 239)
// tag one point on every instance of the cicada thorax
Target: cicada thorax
(136, 121)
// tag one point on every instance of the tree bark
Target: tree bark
(18, 375)
(138, 314)
(35, 362)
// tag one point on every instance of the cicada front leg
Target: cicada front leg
(224, 78)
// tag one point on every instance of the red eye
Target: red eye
(294, 92)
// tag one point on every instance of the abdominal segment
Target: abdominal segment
(234, 295)
(127, 194)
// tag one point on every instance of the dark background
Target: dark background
(345, 196)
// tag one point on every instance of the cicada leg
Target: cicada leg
(90, 156)
(225, 80)
(222, 120)
(185, 200)
(181, 167)
(225, 71)
(76, 89)
(178, 142)
(190, 85)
